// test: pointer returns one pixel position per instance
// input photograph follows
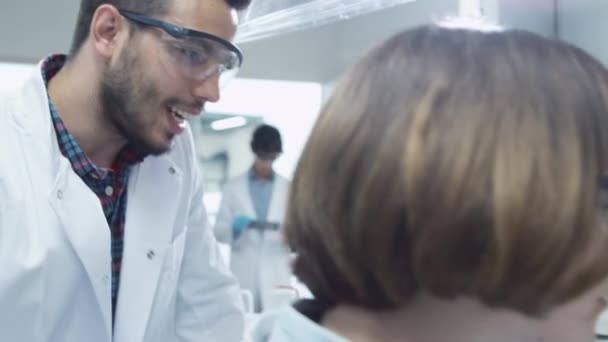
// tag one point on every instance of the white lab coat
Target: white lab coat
(259, 260)
(55, 276)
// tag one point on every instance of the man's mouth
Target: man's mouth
(180, 114)
(177, 117)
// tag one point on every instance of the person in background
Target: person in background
(450, 191)
(103, 233)
(250, 217)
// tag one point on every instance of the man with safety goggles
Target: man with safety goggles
(104, 235)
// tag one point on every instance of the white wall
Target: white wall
(32, 29)
(292, 107)
(532, 15)
(584, 23)
(236, 144)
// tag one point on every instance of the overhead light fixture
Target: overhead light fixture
(229, 123)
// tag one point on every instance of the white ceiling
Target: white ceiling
(32, 29)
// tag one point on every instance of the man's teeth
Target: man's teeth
(179, 114)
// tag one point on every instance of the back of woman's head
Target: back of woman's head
(457, 162)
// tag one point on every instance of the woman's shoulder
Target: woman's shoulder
(297, 323)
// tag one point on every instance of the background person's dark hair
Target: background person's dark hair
(266, 139)
(146, 7)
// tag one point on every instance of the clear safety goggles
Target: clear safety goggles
(197, 55)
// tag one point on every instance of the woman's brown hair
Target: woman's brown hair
(457, 162)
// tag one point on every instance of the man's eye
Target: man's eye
(193, 56)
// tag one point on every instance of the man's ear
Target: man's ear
(105, 28)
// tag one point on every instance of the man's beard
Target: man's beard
(123, 93)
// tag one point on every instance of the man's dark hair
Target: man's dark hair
(146, 7)
(266, 139)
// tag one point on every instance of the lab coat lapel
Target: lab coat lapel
(276, 209)
(247, 201)
(76, 206)
(85, 225)
(153, 198)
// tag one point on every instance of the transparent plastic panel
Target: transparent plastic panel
(268, 18)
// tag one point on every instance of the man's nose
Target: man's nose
(207, 89)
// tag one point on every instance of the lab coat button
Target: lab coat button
(150, 254)
(172, 170)
(59, 194)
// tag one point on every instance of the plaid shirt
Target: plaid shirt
(110, 185)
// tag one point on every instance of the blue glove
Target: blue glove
(240, 223)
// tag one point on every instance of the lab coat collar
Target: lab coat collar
(253, 177)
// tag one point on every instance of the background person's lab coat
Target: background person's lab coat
(55, 262)
(259, 260)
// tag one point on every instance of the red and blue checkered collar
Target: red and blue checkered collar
(68, 145)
